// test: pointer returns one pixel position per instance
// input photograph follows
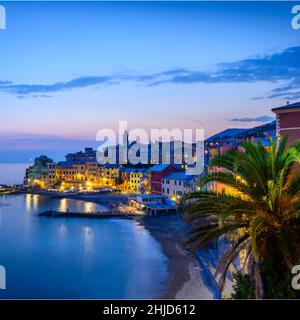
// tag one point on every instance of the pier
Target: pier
(93, 215)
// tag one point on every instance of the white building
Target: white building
(154, 204)
(176, 184)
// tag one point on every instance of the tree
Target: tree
(261, 218)
(243, 287)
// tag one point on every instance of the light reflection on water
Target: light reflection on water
(33, 202)
(75, 258)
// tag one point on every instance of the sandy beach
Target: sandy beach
(184, 280)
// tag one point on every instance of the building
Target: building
(77, 175)
(71, 174)
(157, 173)
(109, 175)
(51, 175)
(91, 171)
(136, 178)
(288, 121)
(125, 176)
(177, 184)
(154, 204)
(37, 175)
(70, 171)
(89, 154)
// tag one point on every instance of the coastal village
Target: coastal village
(155, 188)
(149, 151)
(152, 192)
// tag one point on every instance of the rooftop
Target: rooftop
(111, 166)
(68, 163)
(159, 167)
(179, 176)
(288, 106)
(151, 196)
(132, 170)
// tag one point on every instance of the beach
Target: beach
(184, 280)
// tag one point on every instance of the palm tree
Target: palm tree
(261, 218)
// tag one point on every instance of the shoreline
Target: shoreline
(184, 279)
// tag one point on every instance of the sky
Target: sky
(68, 69)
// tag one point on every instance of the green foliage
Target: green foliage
(243, 288)
(261, 217)
(277, 280)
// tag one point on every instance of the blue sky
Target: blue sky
(70, 69)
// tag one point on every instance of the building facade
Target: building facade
(177, 184)
(157, 173)
(109, 175)
(136, 178)
(288, 121)
(37, 175)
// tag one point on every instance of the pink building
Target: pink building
(288, 121)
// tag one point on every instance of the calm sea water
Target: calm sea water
(75, 258)
(12, 173)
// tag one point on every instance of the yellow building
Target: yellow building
(41, 174)
(135, 179)
(77, 175)
(108, 175)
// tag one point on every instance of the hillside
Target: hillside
(261, 131)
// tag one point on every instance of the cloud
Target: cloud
(278, 67)
(257, 119)
(27, 89)
(282, 68)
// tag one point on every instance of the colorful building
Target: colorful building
(154, 204)
(37, 175)
(288, 121)
(109, 175)
(136, 178)
(157, 173)
(125, 176)
(177, 184)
